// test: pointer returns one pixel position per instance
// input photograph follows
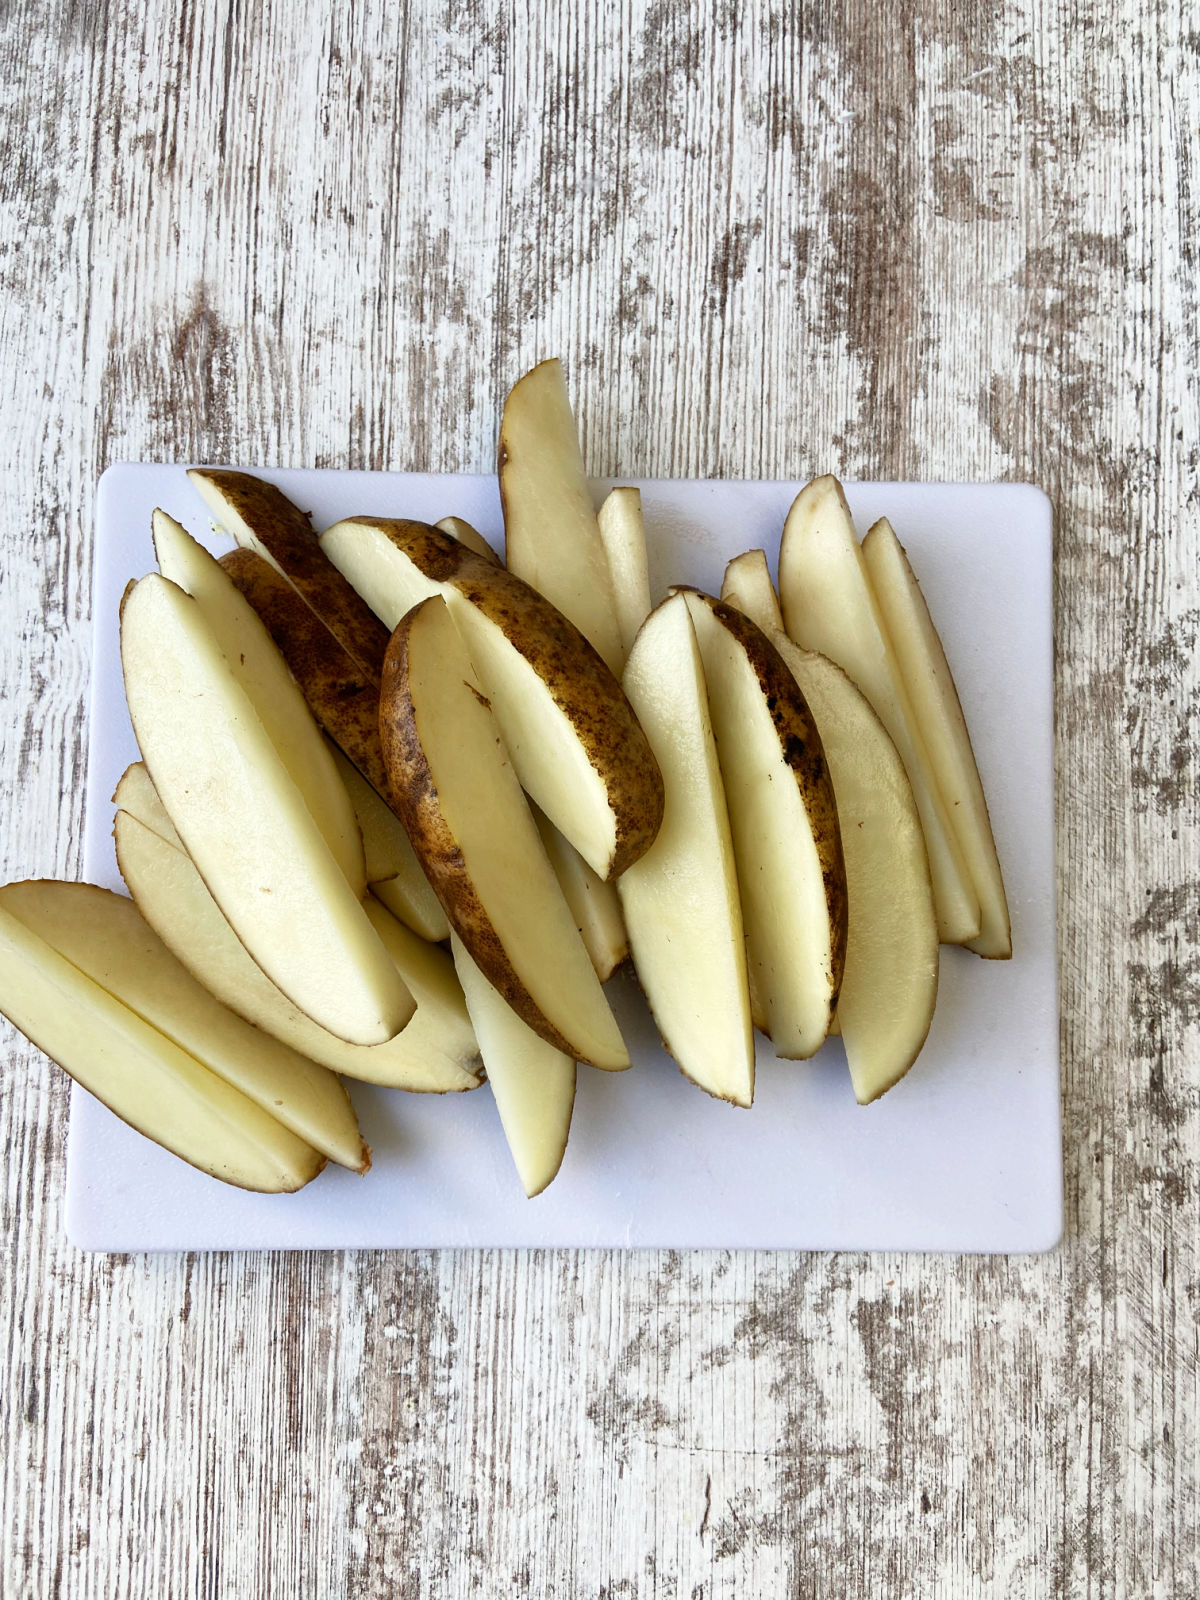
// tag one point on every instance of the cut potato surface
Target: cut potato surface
(568, 728)
(623, 534)
(393, 871)
(469, 536)
(747, 585)
(551, 536)
(829, 606)
(262, 518)
(435, 1054)
(785, 827)
(147, 1080)
(244, 823)
(108, 939)
(477, 840)
(532, 1082)
(594, 904)
(258, 667)
(343, 698)
(681, 899)
(931, 689)
(889, 986)
(137, 795)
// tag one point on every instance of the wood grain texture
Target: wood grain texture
(926, 241)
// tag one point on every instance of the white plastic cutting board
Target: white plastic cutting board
(964, 1154)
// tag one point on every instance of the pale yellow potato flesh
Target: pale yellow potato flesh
(138, 796)
(435, 1054)
(475, 835)
(463, 531)
(935, 701)
(785, 828)
(143, 1077)
(889, 987)
(595, 904)
(107, 938)
(681, 898)
(829, 607)
(244, 823)
(747, 585)
(393, 871)
(623, 535)
(257, 665)
(569, 731)
(551, 537)
(532, 1082)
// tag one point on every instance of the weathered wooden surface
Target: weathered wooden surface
(921, 240)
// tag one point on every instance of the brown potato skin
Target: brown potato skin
(437, 849)
(805, 755)
(286, 532)
(582, 685)
(344, 700)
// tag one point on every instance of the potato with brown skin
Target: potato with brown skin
(784, 817)
(573, 737)
(344, 699)
(477, 841)
(262, 518)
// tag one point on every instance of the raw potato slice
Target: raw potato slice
(785, 827)
(594, 904)
(930, 685)
(137, 795)
(262, 518)
(829, 607)
(479, 845)
(747, 585)
(343, 698)
(108, 939)
(471, 537)
(551, 538)
(533, 1083)
(393, 870)
(244, 823)
(435, 1054)
(141, 1076)
(890, 982)
(257, 665)
(569, 730)
(623, 534)
(681, 899)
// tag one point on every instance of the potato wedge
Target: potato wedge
(623, 535)
(747, 585)
(108, 939)
(474, 834)
(262, 518)
(458, 529)
(435, 1054)
(681, 898)
(782, 811)
(829, 606)
(245, 824)
(532, 1082)
(594, 904)
(342, 697)
(142, 1076)
(889, 985)
(938, 710)
(571, 733)
(257, 665)
(551, 537)
(393, 871)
